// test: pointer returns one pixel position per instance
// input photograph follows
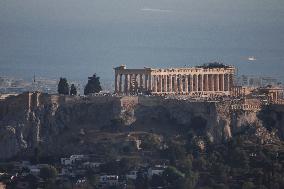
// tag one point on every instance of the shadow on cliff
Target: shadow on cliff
(161, 120)
(272, 120)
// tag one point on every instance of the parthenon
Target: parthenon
(211, 79)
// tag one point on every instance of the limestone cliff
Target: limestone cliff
(61, 125)
(273, 119)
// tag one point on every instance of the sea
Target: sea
(77, 50)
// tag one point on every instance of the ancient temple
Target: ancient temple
(210, 79)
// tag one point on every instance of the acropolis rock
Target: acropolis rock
(55, 122)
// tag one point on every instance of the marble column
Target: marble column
(126, 84)
(231, 81)
(217, 82)
(195, 83)
(116, 83)
(213, 82)
(165, 83)
(120, 83)
(198, 83)
(227, 82)
(150, 80)
(209, 82)
(186, 84)
(155, 83)
(146, 82)
(130, 83)
(160, 83)
(221, 83)
(179, 84)
(201, 82)
(205, 82)
(191, 82)
(182, 83)
(135, 82)
(141, 84)
(170, 84)
(175, 83)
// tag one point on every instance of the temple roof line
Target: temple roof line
(214, 66)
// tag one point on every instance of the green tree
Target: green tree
(185, 165)
(199, 164)
(191, 179)
(157, 181)
(73, 90)
(240, 158)
(125, 165)
(63, 87)
(174, 152)
(92, 178)
(248, 185)
(93, 85)
(149, 142)
(110, 167)
(48, 172)
(141, 181)
(173, 176)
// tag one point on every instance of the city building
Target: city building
(256, 81)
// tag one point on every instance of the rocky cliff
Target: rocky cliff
(59, 125)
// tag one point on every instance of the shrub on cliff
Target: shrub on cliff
(63, 86)
(93, 85)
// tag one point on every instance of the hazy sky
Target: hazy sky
(75, 38)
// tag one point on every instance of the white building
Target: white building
(156, 170)
(34, 169)
(72, 159)
(91, 165)
(132, 175)
(109, 180)
(66, 161)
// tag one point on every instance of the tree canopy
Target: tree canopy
(48, 173)
(63, 86)
(93, 85)
(73, 90)
(213, 65)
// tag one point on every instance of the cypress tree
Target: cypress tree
(93, 85)
(73, 90)
(63, 87)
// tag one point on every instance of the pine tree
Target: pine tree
(93, 85)
(73, 90)
(63, 87)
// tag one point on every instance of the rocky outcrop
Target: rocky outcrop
(176, 116)
(44, 118)
(11, 141)
(67, 124)
(273, 119)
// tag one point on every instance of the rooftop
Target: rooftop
(214, 65)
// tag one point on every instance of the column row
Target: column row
(127, 83)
